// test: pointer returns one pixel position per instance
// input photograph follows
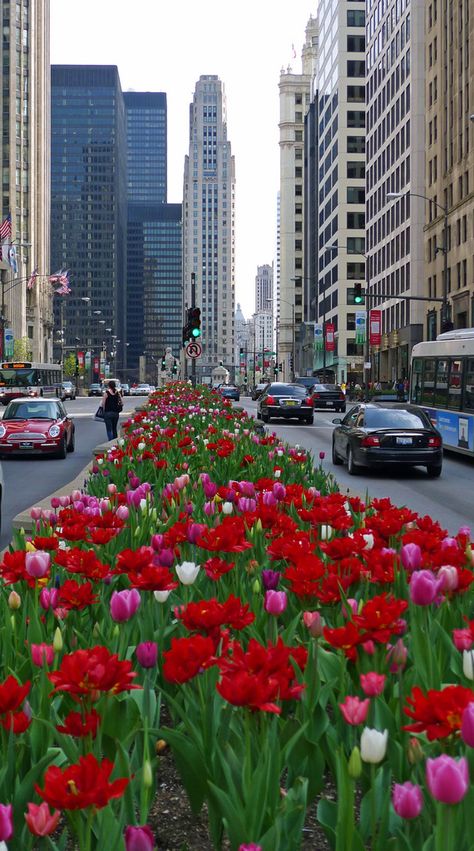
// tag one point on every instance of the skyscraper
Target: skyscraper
(264, 288)
(146, 114)
(208, 223)
(88, 200)
(25, 133)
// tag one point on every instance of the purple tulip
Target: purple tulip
(411, 557)
(268, 499)
(407, 800)
(157, 541)
(37, 563)
(447, 778)
(147, 654)
(467, 725)
(124, 604)
(424, 587)
(279, 491)
(48, 598)
(250, 846)
(270, 579)
(246, 503)
(6, 821)
(139, 838)
(164, 557)
(195, 531)
(209, 488)
(275, 602)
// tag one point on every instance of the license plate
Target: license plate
(26, 444)
(404, 441)
(290, 402)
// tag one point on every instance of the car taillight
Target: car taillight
(308, 401)
(271, 400)
(341, 396)
(371, 440)
(316, 395)
(434, 441)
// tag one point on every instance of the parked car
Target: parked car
(140, 390)
(288, 401)
(373, 435)
(230, 391)
(258, 390)
(36, 426)
(328, 396)
(68, 391)
(125, 388)
(95, 390)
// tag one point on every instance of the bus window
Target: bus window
(441, 393)
(455, 385)
(469, 386)
(416, 381)
(427, 390)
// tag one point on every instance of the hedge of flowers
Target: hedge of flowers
(298, 637)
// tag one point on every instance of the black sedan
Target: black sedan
(285, 401)
(328, 396)
(258, 390)
(371, 435)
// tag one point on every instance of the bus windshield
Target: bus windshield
(18, 377)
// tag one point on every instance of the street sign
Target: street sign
(193, 350)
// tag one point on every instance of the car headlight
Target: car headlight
(3, 430)
(54, 431)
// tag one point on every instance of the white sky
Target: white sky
(166, 46)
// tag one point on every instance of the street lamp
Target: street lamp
(446, 324)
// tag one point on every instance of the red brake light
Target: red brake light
(341, 396)
(434, 441)
(271, 400)
(371, 440)
(308, 401)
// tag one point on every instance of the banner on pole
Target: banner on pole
(375, 327)
(330, 344)
(318, 336)
(80, 360)
(360, 327)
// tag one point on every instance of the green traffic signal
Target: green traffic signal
(358, 295)
(196, 332)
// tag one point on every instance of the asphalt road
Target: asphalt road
(448, 499)
(30, 479)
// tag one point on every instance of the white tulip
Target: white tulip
(187, 572)
(227, 508)
(277, 474)
(369, 541)
(161, 596)
(468, 664)
(326, 533)
(373, 745)
(141, 447)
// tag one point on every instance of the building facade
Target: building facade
(88, 205)
(208, 225)
(264, 288)
(25, 133)
(449, 58)
(295, 96)
(147, 149)
(395, 177)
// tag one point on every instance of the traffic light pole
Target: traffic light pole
(193, 304)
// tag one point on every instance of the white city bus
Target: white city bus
(442, 382)
(29, 379)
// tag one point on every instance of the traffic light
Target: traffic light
(241, 352)
(175, 368)
(163, 364)
(358, 295)
(194, 322)
(275, 371)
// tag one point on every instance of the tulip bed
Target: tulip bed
(297, 637)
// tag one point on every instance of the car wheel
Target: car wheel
(352, 467)
(259, 416)
(309, 420)
(434, 470)
(335, 457)
(62, 452)
(72, 443)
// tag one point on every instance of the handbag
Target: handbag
(99, 414)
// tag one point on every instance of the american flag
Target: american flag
(32, 279)
(6, 228)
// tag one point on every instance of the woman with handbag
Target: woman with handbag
(112, 405)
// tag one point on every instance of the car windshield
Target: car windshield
(394, 418)
(306, 382)
(28, 411)
(287, 390)
(320, 388)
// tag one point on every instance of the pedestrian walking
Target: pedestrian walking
(112, 405)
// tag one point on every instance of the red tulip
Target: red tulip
(354, 710)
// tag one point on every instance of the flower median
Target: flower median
(294, 633)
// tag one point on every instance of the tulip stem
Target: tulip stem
(373, 807)
(445, 828)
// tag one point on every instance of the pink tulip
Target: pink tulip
(279, 491)
(450, 577)
(407, 800)
(372, 683)
(354, 710)
(40, 821)
(122, 512)
(350, 609)
(6, 821)
(250, 846)
(467, 725)
(124, 604)
(411, 557)
(424, 587)
(397, 656)
(48, 598)
(35, 513)
(37, 563)
(157, 541)
(147, 654)
(447, 778)
(313, 623)
(268, 499)
(42, 654)
(275, 602)
(139, 838)
(462, 639)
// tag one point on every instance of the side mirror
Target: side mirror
(337, 421)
